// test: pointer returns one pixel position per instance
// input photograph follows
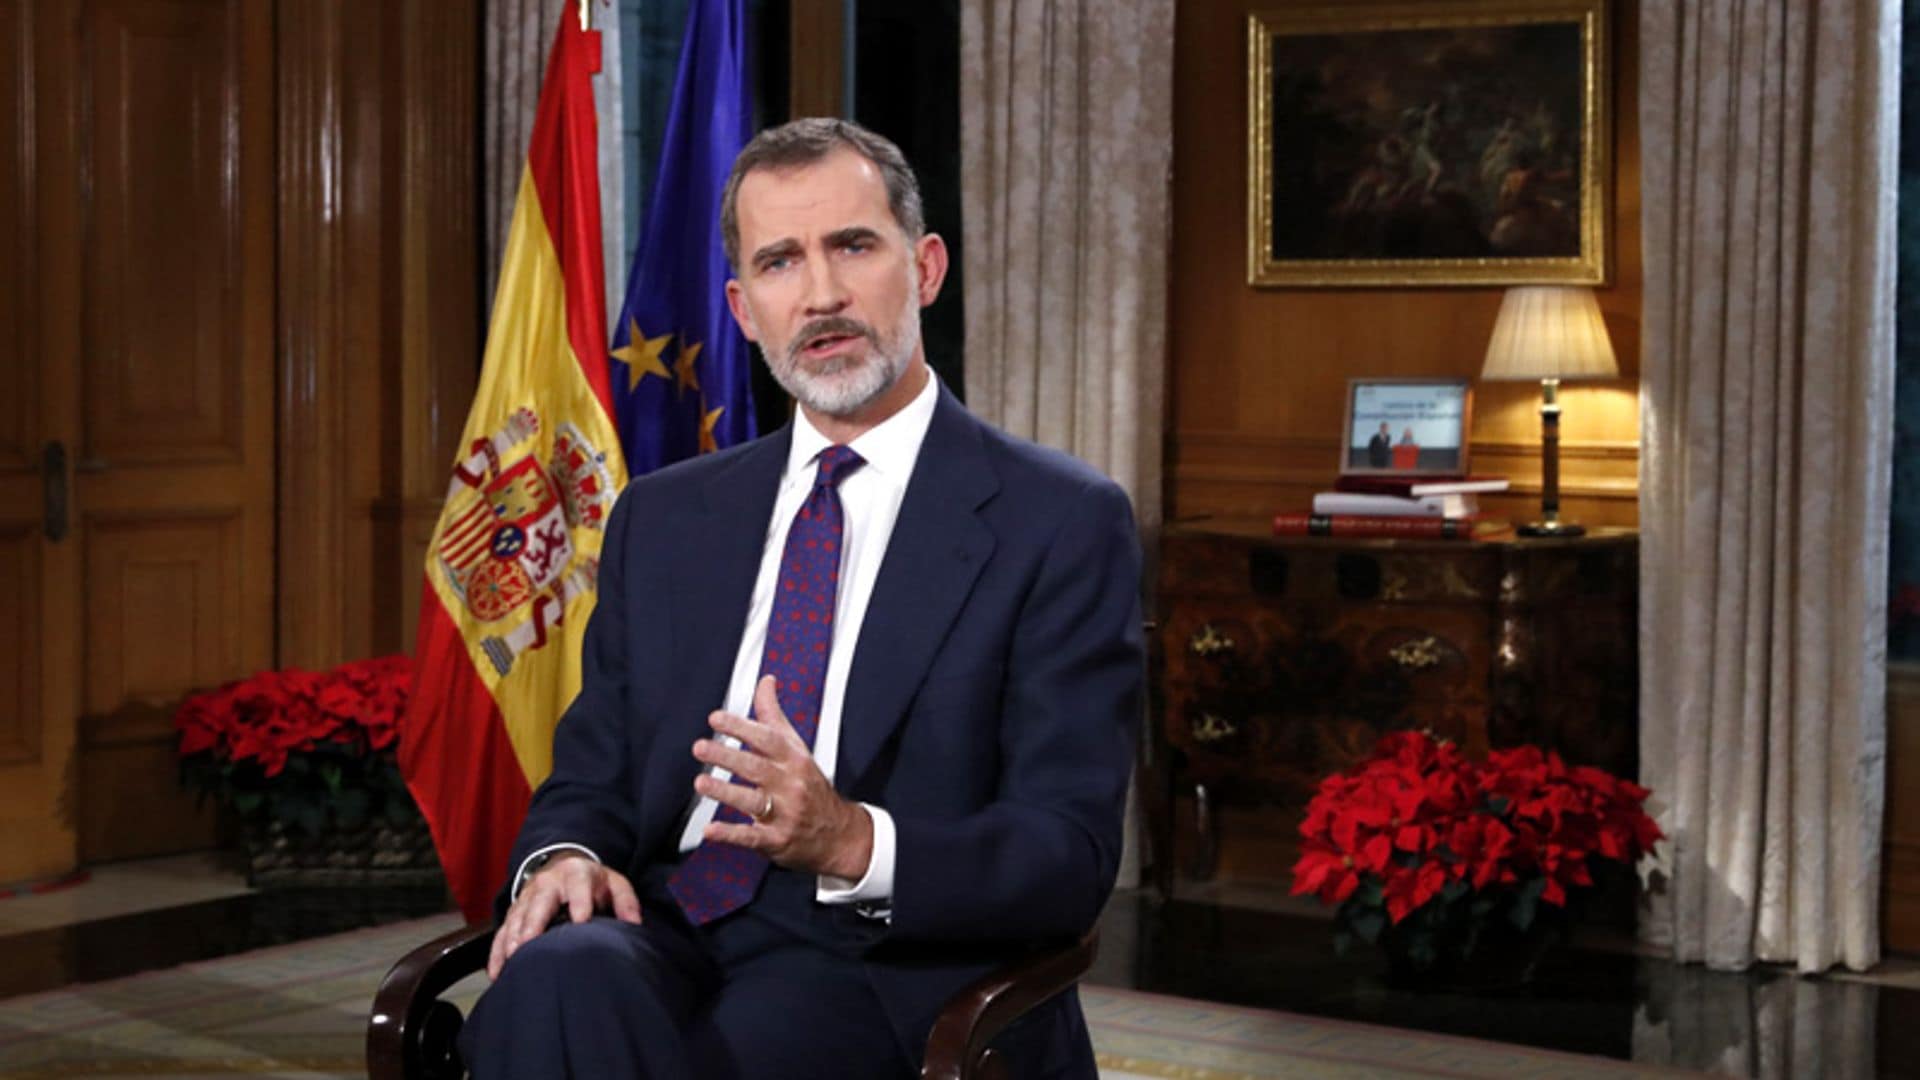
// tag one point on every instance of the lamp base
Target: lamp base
(1551, 528)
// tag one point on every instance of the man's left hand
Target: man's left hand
(806, 825)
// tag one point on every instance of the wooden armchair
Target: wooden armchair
(410, 1035)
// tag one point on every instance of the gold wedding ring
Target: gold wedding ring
(766, 811)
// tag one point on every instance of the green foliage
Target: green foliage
(333, 782)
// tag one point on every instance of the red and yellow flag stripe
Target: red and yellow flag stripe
(511, 568)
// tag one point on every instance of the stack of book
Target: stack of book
(1445, 507)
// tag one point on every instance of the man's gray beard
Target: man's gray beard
(839, 390)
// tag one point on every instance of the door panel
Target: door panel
(20, 718)
(38, 678)
(136, 331)
(20, 504)
(18, 447)
(164, 607)
(174, 478)
(164, 257)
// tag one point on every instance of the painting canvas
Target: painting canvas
(1410, 427)
(1437, 143)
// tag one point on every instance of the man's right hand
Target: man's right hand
(571, 879)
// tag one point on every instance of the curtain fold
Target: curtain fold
(1768, 139)
(1066, 118)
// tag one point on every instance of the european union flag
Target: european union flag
(681, 372)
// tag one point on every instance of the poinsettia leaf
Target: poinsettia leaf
(247, 802)
(309, 817)
(1368, 924)
(351, 806)
(1526, 904)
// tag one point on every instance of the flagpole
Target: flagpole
(585, 23)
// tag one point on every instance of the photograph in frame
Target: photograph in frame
(1448, 142)
(1407, 427)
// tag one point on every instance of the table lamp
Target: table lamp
(1549, 332)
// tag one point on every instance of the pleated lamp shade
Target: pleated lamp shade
(1549, 332)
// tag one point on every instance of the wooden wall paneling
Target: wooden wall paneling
(1268, 367)
(310, 40)
(174, 479)
(817, 70)
(370, 120)
(433, 208)
(379, 336)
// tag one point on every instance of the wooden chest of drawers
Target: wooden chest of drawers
(1280, 660)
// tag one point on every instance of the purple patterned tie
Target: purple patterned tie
(718, 878)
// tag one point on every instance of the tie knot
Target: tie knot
(836, 464)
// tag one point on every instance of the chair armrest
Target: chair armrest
(957, 1047)
(411, 1031)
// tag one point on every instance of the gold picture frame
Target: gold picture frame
(1428, 143)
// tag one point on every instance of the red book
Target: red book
(1303, 523)
(1412, 487)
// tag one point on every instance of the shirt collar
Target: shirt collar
(889, 449)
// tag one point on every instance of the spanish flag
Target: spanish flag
(510, 569)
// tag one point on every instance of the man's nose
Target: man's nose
(826, 293)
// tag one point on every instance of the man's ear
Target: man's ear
(737, 303)
(930, 259)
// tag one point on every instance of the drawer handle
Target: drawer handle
(1417, 654)
(1209, 642)
(1210, 728)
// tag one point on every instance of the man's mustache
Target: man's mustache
(831, 324)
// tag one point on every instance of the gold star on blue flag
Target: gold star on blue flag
(681, 369)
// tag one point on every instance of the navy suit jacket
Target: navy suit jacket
(991, 706)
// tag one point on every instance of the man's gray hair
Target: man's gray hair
(806, 141)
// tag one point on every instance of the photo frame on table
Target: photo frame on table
(1439, 142)
(1407, 427)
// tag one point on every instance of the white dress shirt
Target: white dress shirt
(870, 500)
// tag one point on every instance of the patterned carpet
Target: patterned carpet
(300, 1010)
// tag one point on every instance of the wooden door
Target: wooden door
(142, 144)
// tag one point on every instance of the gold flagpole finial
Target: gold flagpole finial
(585, 23)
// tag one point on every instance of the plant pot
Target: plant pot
(372, 854)
(1503, 959)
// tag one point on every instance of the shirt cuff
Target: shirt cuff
(537, 859)
(878, 883)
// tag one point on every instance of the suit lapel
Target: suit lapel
(937, 551)
(720, 540)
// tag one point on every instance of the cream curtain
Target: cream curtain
(1066, 119)
(519, 35)
(1768, 138)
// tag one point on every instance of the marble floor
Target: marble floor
(1235, 945)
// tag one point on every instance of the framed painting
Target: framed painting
(1407, 427)
(1440, 142)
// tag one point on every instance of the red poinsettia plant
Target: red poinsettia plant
(1423, 848)
(299, 747)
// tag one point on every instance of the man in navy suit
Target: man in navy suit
(858, 698)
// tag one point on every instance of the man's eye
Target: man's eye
(778, 263)
(856, 246)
